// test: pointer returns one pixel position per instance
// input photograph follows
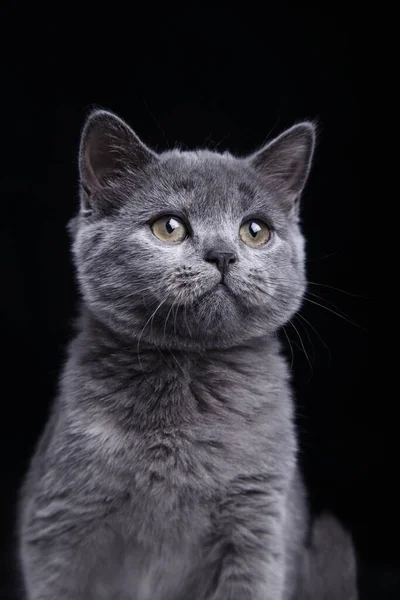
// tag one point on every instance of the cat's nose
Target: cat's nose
(221, 259)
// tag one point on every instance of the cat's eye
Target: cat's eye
(254, 233)
(169, 229)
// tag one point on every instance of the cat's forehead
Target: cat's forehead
(203, 167)
(204, 180)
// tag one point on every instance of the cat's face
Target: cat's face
(190, 248)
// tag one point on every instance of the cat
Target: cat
(168, 466)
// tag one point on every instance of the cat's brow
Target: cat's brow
(184, 184)
(247, 193)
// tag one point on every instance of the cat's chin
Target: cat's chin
(218, 289)
(218, 298)
(216, 313)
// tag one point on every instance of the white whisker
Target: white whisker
(290, 346)
(144, 327)
(302, 345)
(316, 332)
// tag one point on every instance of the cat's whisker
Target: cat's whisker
(177, 362)
(339, 311)
(166, 320)
(336, 289)
(334, 310)
(267, 293)
(306, 292)
(290, 346)
(176, 314)
(168, 349)
(185, 317)
(175, 332)
(296, 318)
(151, 329)
(323, 257)
(152, 320)
(336, 313)
(142, 331)
(300, 316)
(324, 285)
(302, 345)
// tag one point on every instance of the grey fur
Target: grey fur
(167, 470)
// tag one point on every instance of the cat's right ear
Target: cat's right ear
(109, 150)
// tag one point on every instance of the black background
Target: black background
(222, 81)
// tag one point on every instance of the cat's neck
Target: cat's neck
(97, 341)
(153, 385)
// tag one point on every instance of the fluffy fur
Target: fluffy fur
(167, 470)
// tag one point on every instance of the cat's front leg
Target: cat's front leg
(59, 552)
(248, 549)
(53, 571)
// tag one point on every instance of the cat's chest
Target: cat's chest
(193, 439)
(199, 438)
(218, 433)
(201, 457)
(178, 478)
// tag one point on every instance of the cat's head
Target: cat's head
(190, 248)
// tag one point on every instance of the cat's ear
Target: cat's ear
(108, 150)
(286, 160)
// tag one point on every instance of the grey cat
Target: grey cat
(167, 469)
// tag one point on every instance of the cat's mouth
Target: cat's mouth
(224, 291)
(221, 288)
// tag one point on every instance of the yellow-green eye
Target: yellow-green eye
(169, 229)
(254, 233)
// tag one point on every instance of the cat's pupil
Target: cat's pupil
(171, 224)
(254, 228)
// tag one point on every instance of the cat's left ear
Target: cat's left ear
(109, 151)
(285, 162)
